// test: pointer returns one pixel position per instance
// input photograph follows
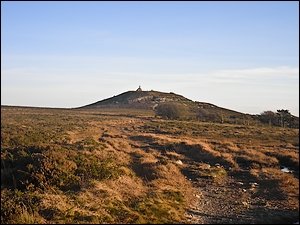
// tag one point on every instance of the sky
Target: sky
(238, 55)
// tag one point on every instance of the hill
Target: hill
(139, 100)
(192, 110)
(151, 99)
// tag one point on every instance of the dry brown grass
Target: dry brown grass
(124, 166)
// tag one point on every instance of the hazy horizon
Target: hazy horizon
(242, 56)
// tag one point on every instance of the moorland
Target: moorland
(131, 166)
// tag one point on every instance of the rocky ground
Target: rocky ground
(235, 201)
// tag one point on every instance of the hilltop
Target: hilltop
(149, 100)
(138, 100)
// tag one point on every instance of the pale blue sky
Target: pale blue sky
(238, 55)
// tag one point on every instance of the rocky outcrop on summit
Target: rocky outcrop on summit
(139, 99)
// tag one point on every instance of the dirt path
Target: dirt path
(222, 201)
(232, 201)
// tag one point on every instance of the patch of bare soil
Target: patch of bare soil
(236, 201)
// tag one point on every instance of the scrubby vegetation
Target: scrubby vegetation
(114, 166)
(282, 118)
(60, 166)
(171, 110)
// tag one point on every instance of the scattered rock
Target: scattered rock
(204, 166)
(179, 162)
(245, 204)
(254, 185)
(286, 170)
